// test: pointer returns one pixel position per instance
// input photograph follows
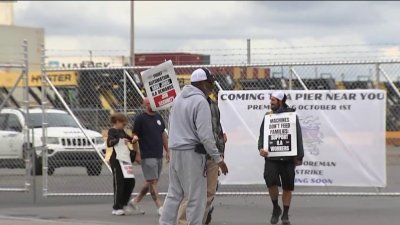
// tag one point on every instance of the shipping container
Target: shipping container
(152, 59)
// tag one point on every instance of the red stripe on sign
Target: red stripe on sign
(165, 98)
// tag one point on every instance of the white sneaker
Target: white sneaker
(113, 212)
(160, 210)
(119, 212)
(133, 208)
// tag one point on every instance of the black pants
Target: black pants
(122, 187)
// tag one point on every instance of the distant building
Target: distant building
(141, 59)
(179, 58)
(12, 38)
(6, 13)
(85, 61)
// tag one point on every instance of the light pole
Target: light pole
(248, 51)
(90, 54)
(132, 58)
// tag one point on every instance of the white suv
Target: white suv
(66, 143)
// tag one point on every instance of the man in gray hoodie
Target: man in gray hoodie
(190, 139)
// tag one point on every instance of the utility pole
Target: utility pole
(132, 58)
(248, 52)
(91, 55)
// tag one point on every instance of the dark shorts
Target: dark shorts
(279, 173)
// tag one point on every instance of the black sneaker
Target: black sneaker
(285, 220)
(208, 220)
(275, 215)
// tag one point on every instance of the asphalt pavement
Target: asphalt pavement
(26, 208)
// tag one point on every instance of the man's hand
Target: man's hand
(167, 157)
(134, 139)
(298, 162)
(225, 138)
(223, 167)
(263, 153)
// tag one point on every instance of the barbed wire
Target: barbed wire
(231, 49)
(245, 55)
(308, 59)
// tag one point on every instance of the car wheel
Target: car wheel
(38, 161)
(94, 170)
(38, 166)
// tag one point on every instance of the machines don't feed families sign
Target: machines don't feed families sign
(161, 85)
(280, 137)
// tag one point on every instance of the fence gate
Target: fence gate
(16, 133)
(78, 107)
(77, 117)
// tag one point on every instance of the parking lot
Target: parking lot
(19, 208)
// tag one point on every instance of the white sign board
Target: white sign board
(280, 134)
(127, 169)
(343, 136)
(161, 85)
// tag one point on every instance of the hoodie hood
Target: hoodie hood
(190, 90)
(190, 123)
(284, 109)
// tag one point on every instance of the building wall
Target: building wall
(6, 13)
(85, 61)
(12, 38)
(141, 59)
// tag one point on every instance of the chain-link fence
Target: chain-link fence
(74, 163)
(16, 135)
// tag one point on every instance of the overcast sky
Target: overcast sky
(279, 30)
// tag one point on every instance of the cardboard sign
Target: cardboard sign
(127, 169)
(161, 85)
(280, 134)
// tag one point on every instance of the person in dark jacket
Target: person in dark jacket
(123, 187)
(280, 171)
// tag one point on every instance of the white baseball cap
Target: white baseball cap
(278, 95)
(201, 74)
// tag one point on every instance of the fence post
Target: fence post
(389, 80)
(290, 78)
(27, 153)
(134, 84)
(299, 79)
(44, 124)
(218, 85)
(12, 90)
(125, 100)
(377, 74)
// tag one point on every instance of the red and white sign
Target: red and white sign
(161, 85)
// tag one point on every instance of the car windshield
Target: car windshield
(53, 119)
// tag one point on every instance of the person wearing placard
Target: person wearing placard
(121, 162)
(190, 139)
(281, 144)
(151, 130)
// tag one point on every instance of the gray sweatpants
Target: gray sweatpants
(186, 179)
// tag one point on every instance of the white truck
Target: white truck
(66, 143)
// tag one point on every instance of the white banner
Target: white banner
(343, 136)
(280, 134)
(161, 85)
